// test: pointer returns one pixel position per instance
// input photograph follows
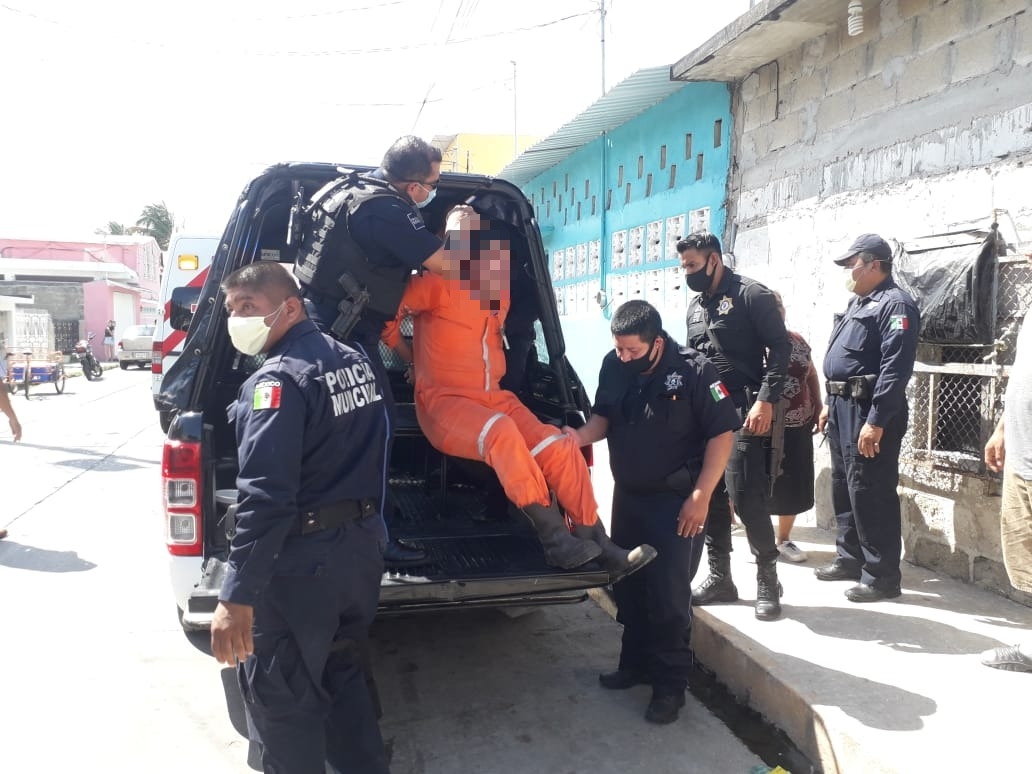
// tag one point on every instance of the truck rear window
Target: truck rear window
(182, 306)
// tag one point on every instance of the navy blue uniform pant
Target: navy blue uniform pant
(863, 493)
(305, 687)
(747, 483)
(655, 604)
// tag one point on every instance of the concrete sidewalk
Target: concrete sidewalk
(893, 686)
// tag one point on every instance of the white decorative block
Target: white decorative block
(699, 220)
(654, 241)
(557, 264)
(619, 249)
(570, 262)
(635, 286)
(582, 260)
(674, 232)
(594, 257)
(654, 287)
(676, 292)
(636, 246)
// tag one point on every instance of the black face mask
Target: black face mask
(640, 365)
(699, 281)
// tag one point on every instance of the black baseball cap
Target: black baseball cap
(867, 243)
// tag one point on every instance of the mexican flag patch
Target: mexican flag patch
(267, 395)
(898, 322)
(718, 391)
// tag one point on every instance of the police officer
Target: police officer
(735, 323)
(305, 562)
(369, 227)
(669, 425)
(868, 363)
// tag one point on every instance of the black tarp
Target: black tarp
(954, 287)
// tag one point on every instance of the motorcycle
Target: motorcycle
(91, 368)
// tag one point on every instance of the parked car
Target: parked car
(482, 551)
(134, 347)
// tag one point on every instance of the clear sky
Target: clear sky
(114, 104)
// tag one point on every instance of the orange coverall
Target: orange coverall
(459, 361)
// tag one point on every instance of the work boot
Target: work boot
(768, 591)
(618, 562)
(562, 549)
(718, 586)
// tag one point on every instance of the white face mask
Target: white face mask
(249, 334)
(851, 279)
(429, 198)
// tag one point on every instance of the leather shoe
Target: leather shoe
(664, 707)
(838, 570)
(621, 679)
(864, 592)
(402, 554)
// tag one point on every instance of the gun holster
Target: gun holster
(350, 307)
(861, 387)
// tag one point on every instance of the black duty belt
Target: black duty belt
(854, 388)
(335, 515)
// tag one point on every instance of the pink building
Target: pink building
(86, 283)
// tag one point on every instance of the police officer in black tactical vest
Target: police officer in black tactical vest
(364, 236)
(735, 323)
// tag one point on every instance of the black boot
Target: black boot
(619, 562)
(400, 553)
(768, 591)
(718, 586)
(561, 548)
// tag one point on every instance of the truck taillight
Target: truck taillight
(181, 481)
(155, 357)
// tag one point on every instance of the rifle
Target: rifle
(776, 447)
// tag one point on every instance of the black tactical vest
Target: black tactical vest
(328, 251)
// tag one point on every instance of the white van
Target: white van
(186, 267)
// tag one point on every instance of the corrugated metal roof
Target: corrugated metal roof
(619, 105)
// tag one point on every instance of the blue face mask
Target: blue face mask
(429, 198)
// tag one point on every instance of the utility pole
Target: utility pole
(602, 18)
(515, 141)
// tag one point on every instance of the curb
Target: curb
(748, 670)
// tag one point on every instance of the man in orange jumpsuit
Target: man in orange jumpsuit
(458, 336)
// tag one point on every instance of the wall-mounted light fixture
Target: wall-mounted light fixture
(855, 18)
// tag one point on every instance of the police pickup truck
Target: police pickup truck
(481, 551)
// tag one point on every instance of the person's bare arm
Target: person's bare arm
(8, 410)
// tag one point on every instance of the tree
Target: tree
(113, 228)
(156, 221)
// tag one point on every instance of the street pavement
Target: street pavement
(98, 676)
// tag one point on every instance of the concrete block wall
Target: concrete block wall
(922, 124)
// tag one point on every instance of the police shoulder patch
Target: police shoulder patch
(267, 395)
(674, 381)
(899, 322)
(718, 391)
(416, 221)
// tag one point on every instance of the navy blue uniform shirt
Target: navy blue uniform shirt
(661, 422)
(391, 232)
(877, 336)
(742, 314)
(311, 431)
